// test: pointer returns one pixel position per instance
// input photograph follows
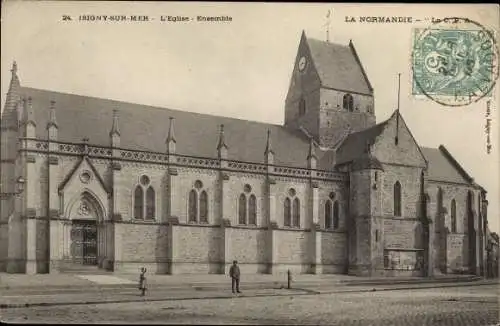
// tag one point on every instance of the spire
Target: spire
(171, 134)
(311, 156)
(222, 147)
(311, 153)
(269, 153)
(396, 138)
(222, 141)
(171, 137)
(268, 143)
(52, 115)
(13, 96)
(114, 126)
(29, 118)
(327, 24)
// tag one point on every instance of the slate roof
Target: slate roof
(145, 128)
(354, 145)
(442, 168)
(339, 67)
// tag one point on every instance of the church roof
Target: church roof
(354, 145)
(443, 167)
(146, 128)
(339, 67)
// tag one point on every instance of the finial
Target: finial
(396, 138)
(30, 114)
(171, 134)
(14, 68)
(268, 143)
(114, 126)
(311, 149)
(52, 115)
(222, 142)
(85, 141)
(327, 24)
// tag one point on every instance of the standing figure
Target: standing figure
(234, 272)
(142, 281)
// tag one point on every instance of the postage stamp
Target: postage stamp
(454, 62)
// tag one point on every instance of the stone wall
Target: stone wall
(333, 252)
(249, 247)
(196, 249)
(292, 252)
(141, 245)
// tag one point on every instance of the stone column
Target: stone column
(112, 257)
(272, 225)
(53, 255)
(30, 212)
(315, 233)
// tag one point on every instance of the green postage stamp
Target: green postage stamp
(454, 62)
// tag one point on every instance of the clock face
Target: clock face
(302, 63)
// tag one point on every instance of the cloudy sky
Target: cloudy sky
(240, 68)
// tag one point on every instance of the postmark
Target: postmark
(454, 62)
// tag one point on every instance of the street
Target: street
(467, 305)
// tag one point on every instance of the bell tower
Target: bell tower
(329, 95)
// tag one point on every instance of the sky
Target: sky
(242, 68)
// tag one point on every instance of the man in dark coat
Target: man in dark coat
(234, 272)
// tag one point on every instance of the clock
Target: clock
(302, 63)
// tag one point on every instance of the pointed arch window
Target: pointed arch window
(193, 206)
(302, 106)
(204, 207)
(247, 207)
(335, 215)
(252, 210)
(348, 102)
(144, 199)
(138, 202)
(150, 203)
(331, 212)
(453, 216)
(328, 215)
(198, 204)
(397, 199)
(291, 209)
(242, 213)
(296, 212)
(287, 211)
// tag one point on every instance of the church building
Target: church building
(101, 184)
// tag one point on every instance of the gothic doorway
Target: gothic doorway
(84, 242)
(85, 233)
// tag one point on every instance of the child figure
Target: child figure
(142, 281)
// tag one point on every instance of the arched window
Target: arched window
(144, 199)
(336, 215)
(242, 211)
(198, 203)
(204, 207)
(328, 214)
(138, 202)
(348, 102)
(292, 209)
(193, 206)
(287, 218)
(150, 203)
(397, 199)
(453, 216)
(296, 213)
(302, 107)
(247, 207)
(252, 210)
